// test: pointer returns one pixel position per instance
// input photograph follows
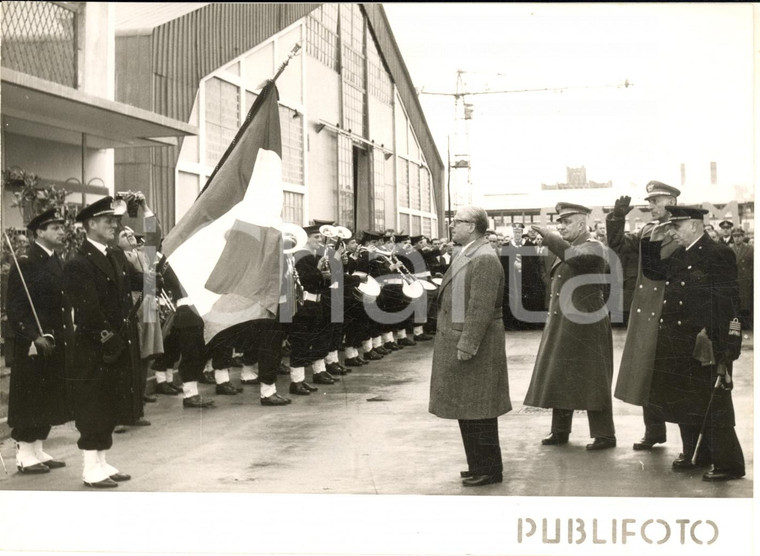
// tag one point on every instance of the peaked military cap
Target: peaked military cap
(416, 239)
(101, 207)
(323, 222)
(726, 224)
(686, 213)
(568, 209)
(657, 189)
(371, 235)
(47, 217)
(313, 229)
(401, 237)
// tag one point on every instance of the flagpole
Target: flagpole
(293, 53)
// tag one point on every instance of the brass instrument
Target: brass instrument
(299, 237)
(412, 287)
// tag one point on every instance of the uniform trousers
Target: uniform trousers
(654, 423)
(30, 434)
(720, 446)
(187, 345)
(481, 445)
(262, 344)
(599, 422)
(309, 335)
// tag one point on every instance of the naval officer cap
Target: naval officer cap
(658, 189)
(101, 207)
(48, 217)
(686, 213)
(416, 239)
(726, 224)
(568, 209)
(370, 235)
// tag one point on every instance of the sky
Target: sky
(690, 67)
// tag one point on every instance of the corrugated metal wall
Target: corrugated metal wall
(400, 74)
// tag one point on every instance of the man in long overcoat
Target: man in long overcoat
(573, 369)
(635, 374)
(469, 379)
(98, 282)
(37, 397)
(699, 338)
(745, 264)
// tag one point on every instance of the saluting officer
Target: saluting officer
(573, 368)
(635, 375)
(98, 281)
(37, 397)
(698, 340)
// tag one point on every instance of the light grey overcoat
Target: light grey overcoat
(469, 319)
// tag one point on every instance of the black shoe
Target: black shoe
(35, 469)
(391, 346)
(105, 483)
(647, 444)
(382, 350)
(119, 429)
(601, 443)
(465, 474)
(362, 360)
(226, 389)
(683, 463)
(250, 382)
(722, 475)
(275, 399)
(309, 387)
(54, 464)
(197, 402)
(335, 369)
(322, 378)
(406, 342)
(141, 422)
(207, 378)
(482, 480)
(284, 369)
(422, 337)
(556, 439)
(373, 355)
(330, 375)
(166, 389)
(353, 362)
(119, 477)
(298, 389)
(147, 398)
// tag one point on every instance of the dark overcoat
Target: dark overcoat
(701, 293)
(745, 265)
(637, 363)
(38, 395)
(573, 368)
(469, 319)
(99, 290)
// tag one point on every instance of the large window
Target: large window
(345, 181)
(222, 117)
(292, 207)
(403, 183)
(378, 183)
(291, 129)
(322, 35)
(379, 82)
(414, 186)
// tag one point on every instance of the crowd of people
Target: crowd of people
(89, 330)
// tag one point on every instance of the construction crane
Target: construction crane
(463, 112)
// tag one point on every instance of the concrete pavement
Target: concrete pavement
(371, 434)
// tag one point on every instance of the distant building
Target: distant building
(576, 179)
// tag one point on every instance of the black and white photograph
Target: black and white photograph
(386, 278)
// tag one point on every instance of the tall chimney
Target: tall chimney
(713, 173)
(683, 174)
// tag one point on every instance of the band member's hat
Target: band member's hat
(401, 237)
(47, 217)
(370, 235)
(657, 189)
(686, 213)
(313, 229)
(568, 209)
(725, 224)
(416, 239)
(101, 207)
(318, 223)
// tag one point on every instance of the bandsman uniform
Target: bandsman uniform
(38, 391)
(107, 384)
